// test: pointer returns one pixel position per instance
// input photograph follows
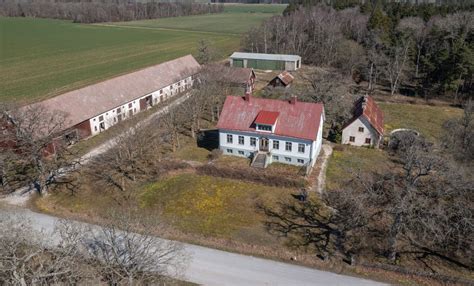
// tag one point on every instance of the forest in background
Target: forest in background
(103, 10)
(425, 50)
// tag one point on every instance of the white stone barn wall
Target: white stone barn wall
(110, 117)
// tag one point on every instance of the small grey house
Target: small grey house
(265, 61)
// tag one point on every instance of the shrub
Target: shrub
(215, 154)
(251, 175)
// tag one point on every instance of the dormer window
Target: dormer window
(263, 127)
(266, 121)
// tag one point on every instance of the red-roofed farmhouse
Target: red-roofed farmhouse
(268, 130)
(366, 127)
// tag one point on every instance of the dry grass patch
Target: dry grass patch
(347, 159)
(210, 206)
(426, 119)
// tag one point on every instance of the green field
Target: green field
(236, 19)
(40, 58)
(254, 8)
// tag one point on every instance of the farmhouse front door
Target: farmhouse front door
(264, 144)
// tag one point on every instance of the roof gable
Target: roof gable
(366, 107)
(286, 77)
(296, 120)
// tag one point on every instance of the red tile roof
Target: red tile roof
(298, 120)
(366, 107)
(267, 117)
(286, 77)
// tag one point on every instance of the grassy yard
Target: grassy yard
(211, 206)
(347, 159)
(40, 58)
(426, 119)
(191, 204)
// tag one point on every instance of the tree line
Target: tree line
(418, 53)
(103, 10)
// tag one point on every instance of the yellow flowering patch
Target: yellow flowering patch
(207, 205)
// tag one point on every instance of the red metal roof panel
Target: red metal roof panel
(298, 120)
(267, 117)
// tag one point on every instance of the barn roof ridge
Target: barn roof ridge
(263, 56)
(87, 102)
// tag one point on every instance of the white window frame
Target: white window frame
(301, 148)
(253, 141)
(277, 144)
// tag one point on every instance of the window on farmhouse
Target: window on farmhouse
(101, 118)
(367, 140)
(253, 141)
(275, 157)
(361, 129)
(130, 105)
(241, 140)
(241, 153)
(352, 139)
(288, 146)
(301, 161)
(276, 144)
(264, 127)
(301, 148)
(287, 159)
(230, 138)
(230, 151)
(161, 91)
(119, 110)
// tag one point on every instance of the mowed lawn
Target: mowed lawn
(40, 58)
(236, 19)
(426, 119)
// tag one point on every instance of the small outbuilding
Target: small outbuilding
(265, 61)
(282, 80)
(241, 78)
(366, 126)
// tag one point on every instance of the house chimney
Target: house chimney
(364, 101)
(247, 96)
(293, 99)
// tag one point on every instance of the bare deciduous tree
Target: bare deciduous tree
(36, 152)
(128, 257)
(422, 208)
(25, 259)
(136, 157)
(79, 254)
(458, 137)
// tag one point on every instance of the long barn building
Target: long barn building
(95, 108)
